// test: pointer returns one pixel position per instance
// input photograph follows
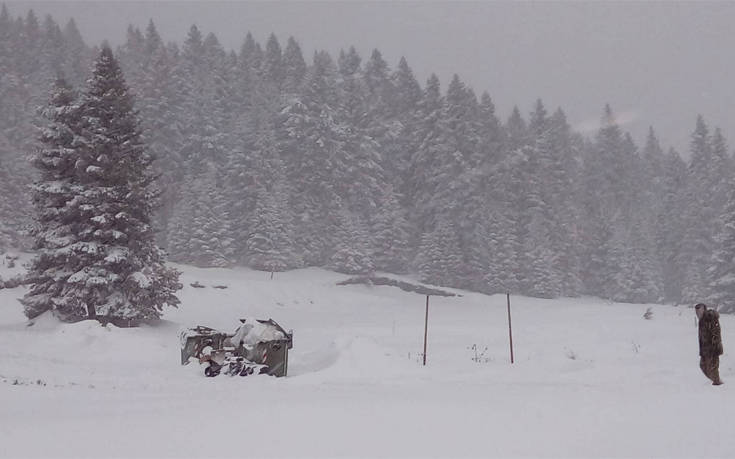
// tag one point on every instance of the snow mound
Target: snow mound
(45, 322)
(363, 358)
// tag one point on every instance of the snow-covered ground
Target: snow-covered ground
(590, 379)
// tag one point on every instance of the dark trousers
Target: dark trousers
(710, 366)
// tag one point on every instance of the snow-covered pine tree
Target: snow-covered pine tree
(539, 219)
(543, 279)
(502, 247)
(199, 229)
(9, 234)
(653, 160)
(52, 47)
(130, 56)
(396, 154)
(429, 259)
(315, 136)
(6, 60)
(267, 234)
(510, 180)
(29, 53)
(294, 68)
(112, 270)
(158, 101)
(516, 130)
(720, 172)
(636, 277)
(272, 66)
(439, 258)
(77, 55)
(721, 274)
(669, 226)
(358, 177)
(56, 197)
(5, 36)
(350, 254)
(600, 191)
(481, 182)
(464, 178)
(390, 235)
(700, 216)
(562, 186)
(378, 123)
(251, 53)
(651, 203)
(270, 245)
(23, 83)
(426, 175)
(380, 90)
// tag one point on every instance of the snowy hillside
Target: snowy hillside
(591, 379)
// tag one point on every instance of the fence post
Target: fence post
(510, 330)
(426, 327)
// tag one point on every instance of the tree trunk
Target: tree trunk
(91, 311)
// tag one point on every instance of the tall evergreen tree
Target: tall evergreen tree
(502, 247)
(670, 227)
(315, 138)
(270, 244)
(430, 154)
(272, 62)
(390, 235)
(57, 213)
(200, 233)
(351, 254)
(113, 269)
(294, 67)
(439, 257)
(396, 154)
(721, 274)
(700, 216)
(601, 192)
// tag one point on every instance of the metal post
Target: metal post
(510, 330)
(426, 327)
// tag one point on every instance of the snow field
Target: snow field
(590, 379)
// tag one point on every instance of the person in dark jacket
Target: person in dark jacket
(710, 342)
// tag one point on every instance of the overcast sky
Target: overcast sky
(656, 63)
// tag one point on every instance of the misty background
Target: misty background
(656, 63)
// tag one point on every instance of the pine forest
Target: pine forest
(266, 158)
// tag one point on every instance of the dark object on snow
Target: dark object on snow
(10, 260)
(372, 280)
(710, 342)
(648, 315)
(256, 347)
(219, 286)
(197, 285)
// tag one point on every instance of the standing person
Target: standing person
(710, 342)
